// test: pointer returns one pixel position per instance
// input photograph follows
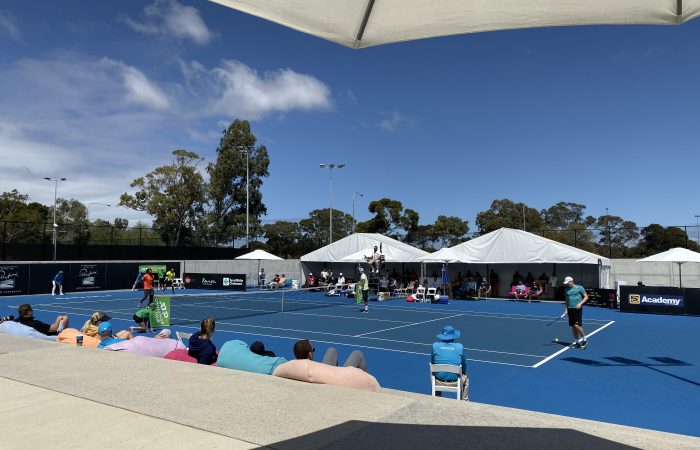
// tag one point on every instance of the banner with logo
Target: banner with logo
(14, 279)
(161, 315)
(219, 281)
(87, 277)
(652, 299)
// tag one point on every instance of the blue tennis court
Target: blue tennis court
(638, 370)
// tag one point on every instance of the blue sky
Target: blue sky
(102, 92)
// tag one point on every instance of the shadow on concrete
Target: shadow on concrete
(370, 435)
(619, 361)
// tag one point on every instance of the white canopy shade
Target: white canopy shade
(447, 255)
(365, 23)
(508, 246)
(353, 247)
(259, 255)
(677, 255)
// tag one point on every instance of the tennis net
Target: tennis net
(192, 308)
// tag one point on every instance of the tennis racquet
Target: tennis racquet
(558, 318)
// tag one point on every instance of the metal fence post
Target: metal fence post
(4, 239)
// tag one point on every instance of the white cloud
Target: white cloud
(8, 25)
(170, 18)
(246, 93)
(139, 90)
(392, 121)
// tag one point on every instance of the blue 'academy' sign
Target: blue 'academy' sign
(662, 300)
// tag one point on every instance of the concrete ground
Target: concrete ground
(60, 396)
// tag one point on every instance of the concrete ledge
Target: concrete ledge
(248, 409)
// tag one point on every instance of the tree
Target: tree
(173, 194)
(21, 221)
(565, 223)
(449, 231)
(316, 227)
(71, 217)
(227, 184)
(505, 213)
(617, 236)
(285, 239)
(657, 239)
(390, 218)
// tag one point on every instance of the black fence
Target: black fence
(28, 241)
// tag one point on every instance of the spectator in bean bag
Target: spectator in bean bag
(238, 356)
(90, 326)
(107, 337)
(258, 348)
(304, 350)
(26, 317)
(201, 346)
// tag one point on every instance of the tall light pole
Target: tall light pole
(353, 209)
(94, 203)
(697, 226)
(55, 225)
(331, 166)
(247, 195)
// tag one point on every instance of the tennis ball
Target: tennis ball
(556, 339)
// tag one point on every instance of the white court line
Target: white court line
(355, 345)
(409, 325)
(567, 347)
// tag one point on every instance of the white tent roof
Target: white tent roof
(353, 246)
(364, 23)
(677, 255)
(259, 254)
(520, 247)
(446, 254)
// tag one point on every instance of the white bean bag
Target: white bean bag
(142, 345)
(316, 372)
(11, 327)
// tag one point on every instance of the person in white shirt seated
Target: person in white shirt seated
(324, 275)
(384, 284)
(374, 260)
(341, 279)
(520, 290)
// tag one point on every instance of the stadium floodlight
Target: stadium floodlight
(330, 167)
(55, 225)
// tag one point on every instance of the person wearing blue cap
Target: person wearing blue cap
(447, 351)
(57, 282)
(107, 335)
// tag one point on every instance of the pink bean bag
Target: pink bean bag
(142, 345)
(68, 335)
(316, 372)
(181, 355)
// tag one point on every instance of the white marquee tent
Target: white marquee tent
(508, 246)
(675, 255)
(260, 255)
(365, 23)
(353, 247)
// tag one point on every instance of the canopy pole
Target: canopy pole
(679, 11)
(680, 276)
(363, 24)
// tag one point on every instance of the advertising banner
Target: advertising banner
(652, 299)
(606, 298)
(161, 315)
(14, 279)
(227, 282)
(87, 277)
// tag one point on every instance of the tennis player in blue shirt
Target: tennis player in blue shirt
(576, 296)
(57, 282)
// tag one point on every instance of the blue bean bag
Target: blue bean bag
(18, 329)
(237, 355)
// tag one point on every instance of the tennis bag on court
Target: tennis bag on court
(237, 355)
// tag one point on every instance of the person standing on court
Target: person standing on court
(575, 296)
(57, 282)
(147, 280)
(447, 351)
(364, 287)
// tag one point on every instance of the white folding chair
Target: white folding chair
(420, 294)
(447, 386)
(431, 294)
(178, 283)
(184, 338)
